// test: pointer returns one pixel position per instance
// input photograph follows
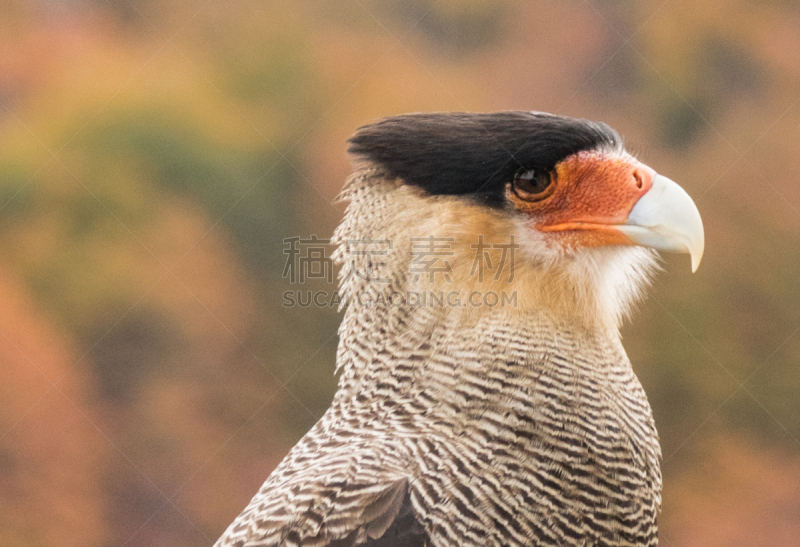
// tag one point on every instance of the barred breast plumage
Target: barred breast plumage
(472, 426)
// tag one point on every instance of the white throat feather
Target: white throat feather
(591, 288)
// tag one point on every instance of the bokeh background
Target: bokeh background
(155, 154)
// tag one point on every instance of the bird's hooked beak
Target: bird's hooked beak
(666, 218)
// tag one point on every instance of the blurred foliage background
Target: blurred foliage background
(154, 155)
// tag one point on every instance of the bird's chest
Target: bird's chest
(561, 457)
(517, 436)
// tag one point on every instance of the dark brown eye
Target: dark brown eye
(533, 185)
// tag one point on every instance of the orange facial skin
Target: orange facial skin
(593, 193)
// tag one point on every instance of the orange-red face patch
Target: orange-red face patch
(592, 193)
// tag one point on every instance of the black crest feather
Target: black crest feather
(463, 153)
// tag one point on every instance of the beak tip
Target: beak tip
(696, 251)
(696, 255)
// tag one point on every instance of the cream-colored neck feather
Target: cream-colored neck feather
(592, 289)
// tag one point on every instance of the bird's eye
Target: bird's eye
(533, 185)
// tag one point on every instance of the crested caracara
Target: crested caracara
(502, 409)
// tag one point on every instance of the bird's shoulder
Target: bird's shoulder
(353, 498)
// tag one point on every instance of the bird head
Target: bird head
(585, 213)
